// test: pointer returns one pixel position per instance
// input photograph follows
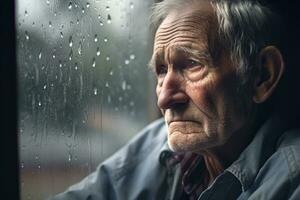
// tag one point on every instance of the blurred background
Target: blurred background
(84, 86)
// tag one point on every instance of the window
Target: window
(84, 87)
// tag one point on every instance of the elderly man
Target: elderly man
(217, 64)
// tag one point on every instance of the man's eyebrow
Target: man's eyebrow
(193, 52)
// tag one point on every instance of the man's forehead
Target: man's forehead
(190, 25)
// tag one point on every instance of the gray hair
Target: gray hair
(245, 27)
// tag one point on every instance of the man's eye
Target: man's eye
(193, 63)
(161, 70)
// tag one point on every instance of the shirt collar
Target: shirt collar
(246, 167)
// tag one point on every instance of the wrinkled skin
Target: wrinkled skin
(197, 92)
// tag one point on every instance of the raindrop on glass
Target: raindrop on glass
(83, 11)
(87, 4)
(70, 6)
(106, 84)
(50, 24)
(108, 19)
(26, 13)
(26, 35)
(71, 55)
(132, 56)
(76, 5)
(107, 8)
(96, 38)
(107, 58)
(131, 5)
(70, 42)
(47, 2)
(40, 55)
(124, 85)
(22, 165)
(94, 62)
(69, 157)
(95, 91)
(45, 87)
(126, 62)
(98, 51)
(61, 35)
(76, 66)
(40, 104)
(39, 166)
(101, 23)
(80, 48)
(60, 65)
(99, 16)
(105, 39)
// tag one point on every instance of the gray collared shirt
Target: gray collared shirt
(269, 168)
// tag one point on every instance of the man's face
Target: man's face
(197, 93)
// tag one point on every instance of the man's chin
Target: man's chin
(186, 143)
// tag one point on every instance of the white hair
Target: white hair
(245, 27)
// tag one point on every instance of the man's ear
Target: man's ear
(271, 68)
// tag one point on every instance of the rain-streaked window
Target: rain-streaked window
(84, 86)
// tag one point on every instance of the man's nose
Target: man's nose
(171, 91)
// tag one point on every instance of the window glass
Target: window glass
(84, 86)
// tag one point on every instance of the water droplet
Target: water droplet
(94, 62)
(106, 84)
(40, 104)
(127, 62)
(50, 24)
(71, 55)
(107, 58)
(98, 51)
(96, 38)
(131, 5)
(77, 21)
(40, 55)
(80, 48)
(99, 16)
(132, 56)
(45, 87)
(107, 8)
(70, 42)
(22, 165)
(26, 35)
(108, 19)
(69, 157)
(26, 13)
(83, 11)
(76, 5)
(95, 91)
(53, 56)
(76, 66)
(60, 65)
(61, 35)
(47, 2)
(111, 73)
(39, 166)
(124, 85)
(101, 23)
(105, 40)
(87, 4)
(131, 103)
(37, 157)
(70, 6)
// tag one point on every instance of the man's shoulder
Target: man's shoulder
(147, 144)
